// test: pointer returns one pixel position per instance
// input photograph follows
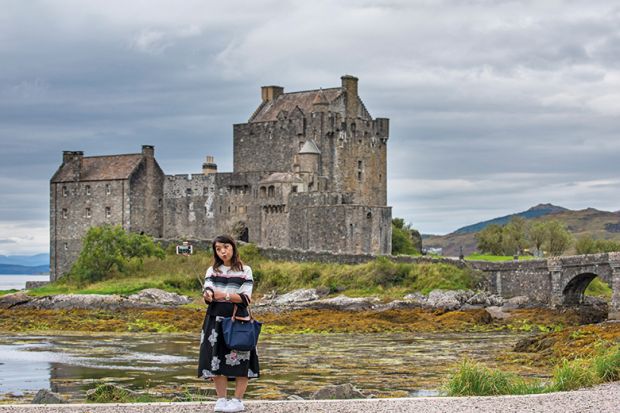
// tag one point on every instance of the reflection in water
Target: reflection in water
(394, 364)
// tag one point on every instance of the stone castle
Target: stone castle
(309, 173)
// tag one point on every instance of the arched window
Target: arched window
(271, 191)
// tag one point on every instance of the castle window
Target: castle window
(188, 191)
(65, 191)
(108, 189)
(88, 215)
(64, 213)
(88, 190)
(271, 191)
(242, 209)
(294, 188)
(360, 166)
(65, 246)
(263, 191)
(108, 212)
(159, 202)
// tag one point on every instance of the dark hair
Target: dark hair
(235, 262)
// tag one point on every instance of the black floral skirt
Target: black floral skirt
(218, 360)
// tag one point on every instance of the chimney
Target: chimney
(209, 167)
(148, 151)
(271, 92)
(74, 160)
(349, 85)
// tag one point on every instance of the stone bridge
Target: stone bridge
(557, 281)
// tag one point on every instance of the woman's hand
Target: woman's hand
(208, 296)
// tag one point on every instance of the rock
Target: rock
(159, 297)
(519, 301)
(341, 391)
(448, 300)
(44, 396)
(294, 397)
(13, 300)
(297, 296)
(485, 299)
(417, 298)
(344, 303)
(78, 301)
(497, 313)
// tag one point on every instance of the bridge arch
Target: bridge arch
(574, 290)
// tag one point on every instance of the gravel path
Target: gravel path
(602, 399)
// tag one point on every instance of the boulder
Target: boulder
(417, 298)
(448, 300)
(44, 396)
(340, 391)
(13, 300)
(297, 296)
(485, 299)
(519, 301)
(159, 297)
(497, 313)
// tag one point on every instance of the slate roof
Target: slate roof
(268, 111)
(282, 177)
(100, 168)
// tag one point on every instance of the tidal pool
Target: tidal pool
(385, 365)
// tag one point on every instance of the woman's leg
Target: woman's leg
(241, 384)
(221, 383)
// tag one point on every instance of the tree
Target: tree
(490, 239)
(538, 235)
(403, 241)
(558, 238)
(588, 245)
(108, 248)
(514, 236)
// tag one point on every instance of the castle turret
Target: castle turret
(309, 157)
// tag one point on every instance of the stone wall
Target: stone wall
(77, 206)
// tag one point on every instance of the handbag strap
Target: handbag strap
(234, 314)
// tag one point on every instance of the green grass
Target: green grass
(498, 258)
(107, 393)
(474, 379)
(184, 275)
(599, 288)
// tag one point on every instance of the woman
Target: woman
(227, 283)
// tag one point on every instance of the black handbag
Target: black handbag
(241, 333)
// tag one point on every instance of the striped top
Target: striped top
(227, 280)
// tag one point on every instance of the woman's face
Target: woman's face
(224, 251)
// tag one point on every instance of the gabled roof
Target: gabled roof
(268, 111)
(100, 168)
(310, 147)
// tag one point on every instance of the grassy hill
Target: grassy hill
(585, 222)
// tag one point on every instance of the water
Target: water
(385, 365)
(18, 282)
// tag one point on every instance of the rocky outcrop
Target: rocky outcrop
(149, 298)
(13, 300)
(159, 297)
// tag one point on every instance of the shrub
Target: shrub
(572, 375)
(607, 365)
(110, 248)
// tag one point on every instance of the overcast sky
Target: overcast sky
(494, 106)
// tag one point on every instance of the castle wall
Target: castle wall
(146, 199)
(77, 206)
(189, 206)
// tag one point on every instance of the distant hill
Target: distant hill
(586, 222)
(534, 212)
(27, 260)
(23, 269)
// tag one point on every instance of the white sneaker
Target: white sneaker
(221, 404)
(234, 405)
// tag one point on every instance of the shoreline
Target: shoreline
(601, 398)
